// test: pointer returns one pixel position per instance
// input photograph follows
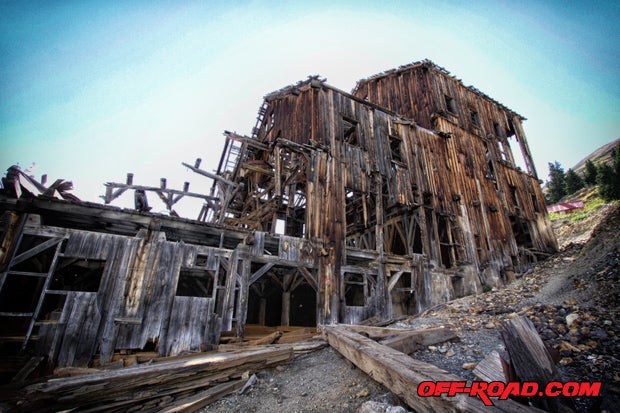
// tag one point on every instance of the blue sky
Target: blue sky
(91, 90)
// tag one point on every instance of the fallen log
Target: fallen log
(402, 375)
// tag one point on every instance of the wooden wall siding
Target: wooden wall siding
(418, 92)
(136, 302)
(187, 329)
(296, 250)
(81, 319)
(150, 288)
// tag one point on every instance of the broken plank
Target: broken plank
(28, 368)
(202, 399)
(491, 368)
(402, 375)
(413, 340)
(375, 333)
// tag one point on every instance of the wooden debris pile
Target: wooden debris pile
(181, 384)
(144, 382)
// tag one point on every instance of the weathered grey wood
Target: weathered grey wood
(28, 368)
(416, 339)
(203, 398)
(242, 302)
(532, 362)
(491, 368)
(376, 333)
(260, 272)
(82, 319)
(286, 308)
(36, 250)
(187, 325)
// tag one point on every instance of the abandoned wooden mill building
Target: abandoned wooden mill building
(339, 208)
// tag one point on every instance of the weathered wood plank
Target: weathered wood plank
(532, 362)
(416, 339)
(491, 368)
(203, 398)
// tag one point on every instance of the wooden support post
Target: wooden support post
(262, 310)
(286, 308)
(244, 292)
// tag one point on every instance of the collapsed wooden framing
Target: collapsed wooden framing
(339, 208)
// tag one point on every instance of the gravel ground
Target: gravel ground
(322, 381)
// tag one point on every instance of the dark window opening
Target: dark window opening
(354, 290)
(403, 296)
(427, 198)
(20, 294)
(430, 230)
(521, 231)
(473, 116)
(417, 240)
(445, 241)
(450, 104)
(77, 274)
(490, 174)
(498, 130)
(201, 260)
(398, 245)
(395, 148)
(535, 203)
(349, 131)
(513, 195)
(195, 282)
(357, 211)
(52, 306)
(41, 261)
(303, 306)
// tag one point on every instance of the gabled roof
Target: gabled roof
(426, 63)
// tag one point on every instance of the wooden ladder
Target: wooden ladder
(10, 271)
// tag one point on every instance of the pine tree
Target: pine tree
(589, 176)
(606, 178)
(556, 183)
(572, 182)
(616, 183)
